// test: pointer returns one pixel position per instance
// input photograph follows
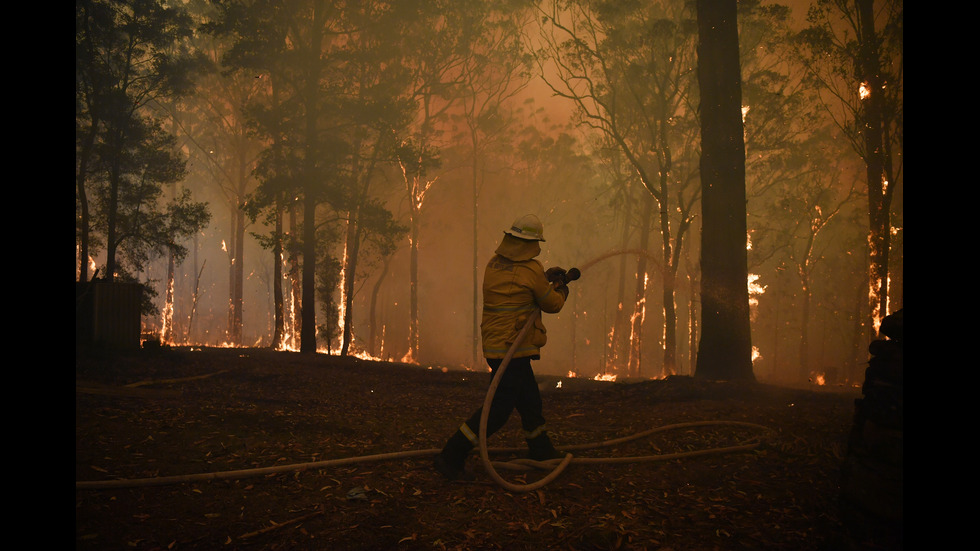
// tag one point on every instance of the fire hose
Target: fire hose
(557, 465)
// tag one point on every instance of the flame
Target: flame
(756, 354)
(604, 377)
(864, 91)
(636, 324)
(290, 341)
(166, 325)
(342, 289)
(876, 314)
(611, 360)
(755, 289)
(362, 354)
(819, 379)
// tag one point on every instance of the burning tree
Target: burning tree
(437, 52)
(224, 145)
(853, 51)
(629, 73)
(336, 102)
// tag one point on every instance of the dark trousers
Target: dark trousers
(517, 390)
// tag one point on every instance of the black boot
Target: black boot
(451, 459)
(540, 448)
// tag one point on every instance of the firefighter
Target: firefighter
(514, 285)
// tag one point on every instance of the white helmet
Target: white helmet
(527, 227)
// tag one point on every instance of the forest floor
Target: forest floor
(172, 412)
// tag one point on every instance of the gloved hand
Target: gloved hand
(562, 288)
(554, 274)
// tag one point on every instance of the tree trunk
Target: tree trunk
(725, 351)
(350, 268)
(311, 182)
(692, 313)
(617, 341)
(237, 275)
(879, 196)
(295, 286)
(167, 335)
(84, 216)
(640, 301)
(307, 334)
(805, 332)
(278, 332)
(277, 296)
(413, 330)
(477, 311)
(373, 348)
(112, 210)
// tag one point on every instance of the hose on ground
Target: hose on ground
(557, 465)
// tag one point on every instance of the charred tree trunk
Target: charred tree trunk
(167, 335)
(295, 288)
(237, 276)
(307, 333)
(413, 301)
(639, 303)
(876, 158)
(671, 250)
(311, 184)
(725, 351)
(350, 268)
(277, 295)
(279, 307)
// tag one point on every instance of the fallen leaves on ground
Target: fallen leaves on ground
(216, 410)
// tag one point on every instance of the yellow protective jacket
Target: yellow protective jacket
(512, 289)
